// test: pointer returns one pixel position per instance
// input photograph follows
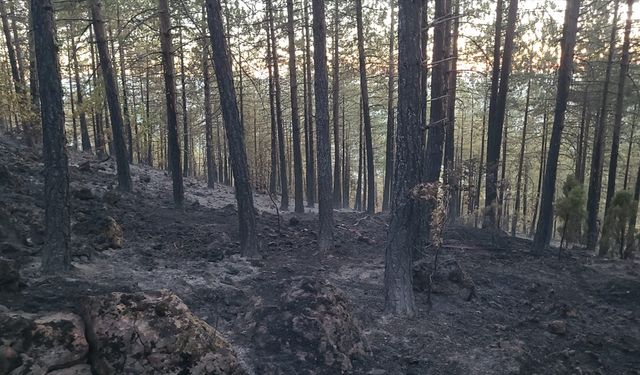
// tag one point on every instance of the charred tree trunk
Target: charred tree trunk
(405, 219)
(388, 173)
(497, 114)
(523, 145)
(633, 128)
(170, 96)
(229, 106)
(84, 130)
(284, 186)
(308, 114)
(56, 256)
(451, 171)
(364, 91)
(123, 80)
(272, 111)
(212, 176)
(111, 90)
(631, 241)
(185, 118)
(335, 101)
(295, 119)
(545, 221)
(321, 84)
(617, 122)
(595, 178)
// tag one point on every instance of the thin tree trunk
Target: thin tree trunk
(545, 221)
(84, 131)
(523, 145)
(595, 178)
(208, 113)
(170, 95)
(633, 128)
(284, 186)
(364, 91)
(56, 255)
(124, 176)
(581, 148)
(272, 111)
(388, 173)
(358, 203)
(452, 175)
(295, 120)
(185, 118)
(405, 219)
(229, 106)
(311, 170)
(123, 80)
(617, 122)
(496, 117)
(321, 84)
(335, 100)
(74, 123)
(540, 174)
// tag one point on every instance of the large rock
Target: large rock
(37, 344)
(313, 322)
(105, 230)
(153, 333)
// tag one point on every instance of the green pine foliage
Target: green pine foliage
(570, 208)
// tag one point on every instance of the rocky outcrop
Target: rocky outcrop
(153, 332)
(314, 323)
(138, 333)
(40, 344)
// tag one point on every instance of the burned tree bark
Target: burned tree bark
(170, 95)
(321, 84)
(390, 141)
(295, 119)
(545, 219)
(364, 91)
(405, 221)
(229, 106)
(111, 90)
(56, 255)
(595, 178)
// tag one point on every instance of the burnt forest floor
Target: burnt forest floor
(531, 314)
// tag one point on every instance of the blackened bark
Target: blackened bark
(272, 111)
(358, 203)
(321, 85)
(540, 174)
(595, 178)
(170, 95)
(523, 145)
(633, 128)
(453, 175)
(185, 117)
(496, 118)
(335, 105)
(123, 81)
(208, 115)
(364, 91)
(295, 119)
(229, 106)
(388, 173)
(310, 162)
(617, 122)
(545, 220)
(284, 186)
(581, 150)
(405, 221)
(84, 130)
(111, 90)
(56, 255)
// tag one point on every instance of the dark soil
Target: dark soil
(530, 314)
